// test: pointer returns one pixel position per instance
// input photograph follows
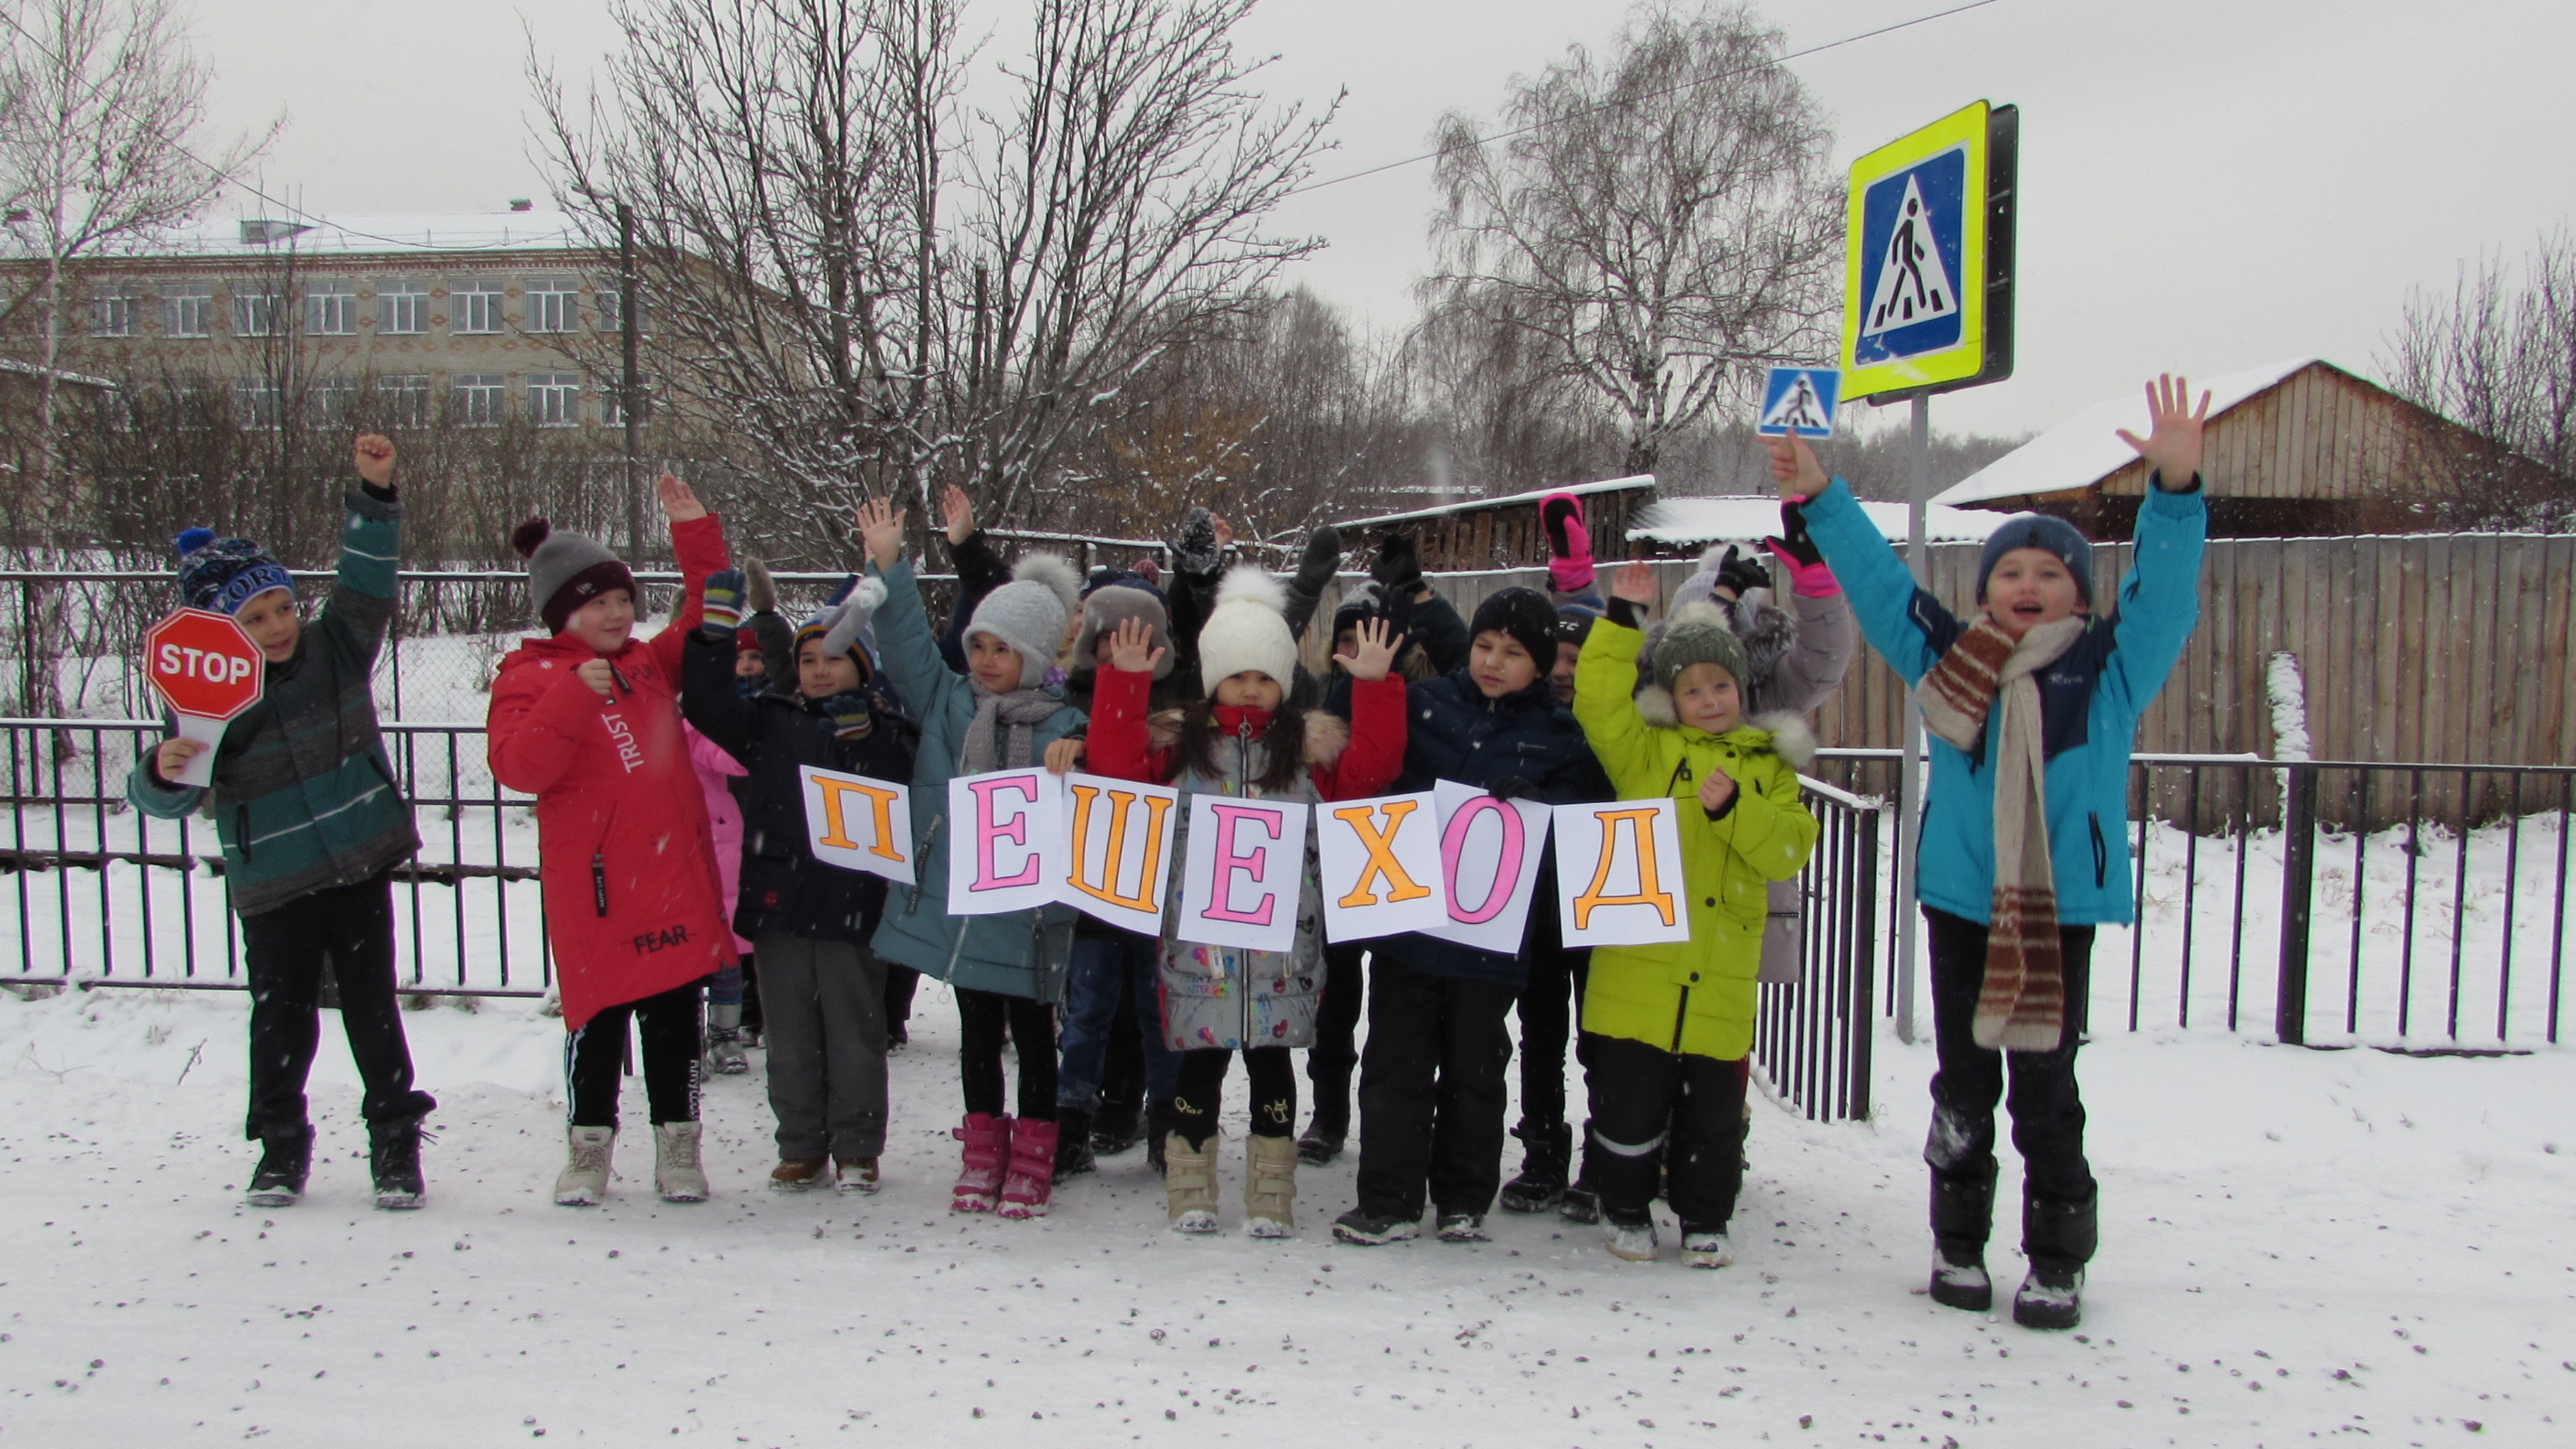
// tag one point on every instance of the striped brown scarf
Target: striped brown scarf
(2022, 1006)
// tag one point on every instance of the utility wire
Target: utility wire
(1650, 95)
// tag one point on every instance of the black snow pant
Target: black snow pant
(1432, 1091)
(2037, 1087)
(1202, 1088)
(1651, 1109)
(983, 1018)
(351, 930)
(1549, 1006)
(827, 1046)
(1336, 1052)
(671, 1029)
(900, 984)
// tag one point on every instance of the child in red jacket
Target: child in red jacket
(588, 721)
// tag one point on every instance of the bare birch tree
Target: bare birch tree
(105, 100)
(2498, 356)
(1657, 223)
(876, 286)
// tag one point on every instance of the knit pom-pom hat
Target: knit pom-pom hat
(1525, 615)
(222, 574)
(1247, 630)
(1029, 613)
(843, 623)
(567, 570)
(1698, 634)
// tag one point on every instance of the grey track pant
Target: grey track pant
(824, 1004)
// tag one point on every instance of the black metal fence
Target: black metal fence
(1812, 1039)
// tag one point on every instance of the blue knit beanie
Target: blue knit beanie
(2048, 535)
(222, 574)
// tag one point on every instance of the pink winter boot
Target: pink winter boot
(1032, 1179)
(988, 1142)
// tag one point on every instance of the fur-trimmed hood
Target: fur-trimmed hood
(1791, 739)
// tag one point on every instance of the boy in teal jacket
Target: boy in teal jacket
(310, 824)
(2032, 706)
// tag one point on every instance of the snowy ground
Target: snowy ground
(2298, 1246)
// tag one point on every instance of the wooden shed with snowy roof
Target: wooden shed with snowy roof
(2298, 449)
(1504, 533)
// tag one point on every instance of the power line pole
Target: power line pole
(630, 395)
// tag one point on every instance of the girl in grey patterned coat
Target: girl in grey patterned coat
(1245, 740)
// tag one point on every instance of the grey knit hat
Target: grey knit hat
(1697, 634)
(1114, 602)
(566, 571)
(1029, 613)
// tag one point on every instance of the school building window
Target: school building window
(402, 307)
(551, 304)
(477, 399)
(402, 400)
(554, 399)
(257, 314)
(612, 313)
(330, 401)
(612, 409)
(111, 310)
(187, 309)
(255, 399)
(331, 309)
(474, 307)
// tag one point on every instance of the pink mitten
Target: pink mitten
(1569, 543)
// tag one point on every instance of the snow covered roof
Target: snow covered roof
(484, 231)
(1683, 521)
(2086, 448)
(1471, 505)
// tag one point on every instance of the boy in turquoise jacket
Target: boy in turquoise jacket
(2032, 705)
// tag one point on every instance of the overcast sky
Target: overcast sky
(2206, 184)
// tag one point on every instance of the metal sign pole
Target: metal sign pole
(1909, 788)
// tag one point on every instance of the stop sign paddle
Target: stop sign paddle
(208, 671)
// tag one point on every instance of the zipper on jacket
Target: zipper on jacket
(241, 829)
(2101, 851)
(599, 883)
(929, 842)
(1681, 1018)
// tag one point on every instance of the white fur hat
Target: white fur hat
(1030, 611)
(1247, 630)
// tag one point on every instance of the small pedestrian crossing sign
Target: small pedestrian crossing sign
(1799, 402)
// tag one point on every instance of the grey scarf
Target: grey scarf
(1003, 735)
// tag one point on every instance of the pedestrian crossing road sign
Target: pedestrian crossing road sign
(1927, 295)
(1799, 402)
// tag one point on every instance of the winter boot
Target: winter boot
(1269, 1187)
(1582, 1201)
(1632, 1242)
(393, 1160)
(1331, 1127)
(676, 1173)
(1189, 1184)
(796, 1174)
(988, 1144)
(1706, 1247)
(1073, 1152)
(855, 1174)
(1158, 1130)
(724, 1041)
(1464, 1228)
(2060, 1238)
(584, 1180)
(1031, 1180)
(285, 1160)
(1963, 1216)
(1372, 1230)
(1547, 1150)
(1118, 1127)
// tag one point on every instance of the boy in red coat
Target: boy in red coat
(588, 721)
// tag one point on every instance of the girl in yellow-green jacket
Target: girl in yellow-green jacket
(1668, 1027)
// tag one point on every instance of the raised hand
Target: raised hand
(678, 504)
(1224, 531)
(721, 609)
(959, 510)
(1373, 651)
(2172, 443)
(881, 531)
(1795, 469)
(374, 457)
(1634, 582)
(1716, 790)
(1132, 649)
